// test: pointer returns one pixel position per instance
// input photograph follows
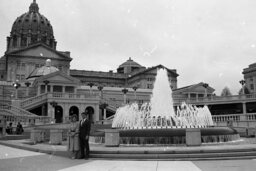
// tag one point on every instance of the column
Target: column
(38, 90)
(244, 108)
(105, 113)
(43, 110)
(28, 40)
(66, 112)
(97, 113)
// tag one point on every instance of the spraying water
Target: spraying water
(159, 111)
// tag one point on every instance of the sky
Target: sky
(205, 41)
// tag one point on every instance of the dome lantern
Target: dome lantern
(33, 7)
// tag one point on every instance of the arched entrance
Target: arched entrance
(58, 116)
(90, 110)
(74, 111)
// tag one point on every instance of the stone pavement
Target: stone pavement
(22, 160)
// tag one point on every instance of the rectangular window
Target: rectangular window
(252, 86)
(37, 65)
(149, 86)
(18, 66)
(57, 89)
(23, 66)
(69, 89)
(150, 79)
(17, 77)
(22, 77)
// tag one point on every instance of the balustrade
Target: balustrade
(234, 117)
(213, 98)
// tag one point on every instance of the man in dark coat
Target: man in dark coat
(84, 132)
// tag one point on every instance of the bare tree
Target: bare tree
(226, 92)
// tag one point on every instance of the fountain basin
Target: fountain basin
(170, 136)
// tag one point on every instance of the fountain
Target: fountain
(156, 122)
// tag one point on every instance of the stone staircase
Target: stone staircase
(33, 101)
(174, 155)
(15, 114)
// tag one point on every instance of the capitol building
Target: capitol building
(36, 82)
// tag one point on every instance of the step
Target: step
(197, 156)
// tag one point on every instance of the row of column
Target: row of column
(51, 89)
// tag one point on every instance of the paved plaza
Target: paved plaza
(13, 159)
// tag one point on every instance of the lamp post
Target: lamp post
(135, 94)
(46, 82)
(53, 104)
(205, 85)
(90, 84)
(27, 85)
(16, 85)
(125, 90)
(242, 82)
(104, 106)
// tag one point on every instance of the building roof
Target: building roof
(130, 63)
(144, 70)
(193, 87)
(101, 74)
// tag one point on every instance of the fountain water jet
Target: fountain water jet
(159, 111)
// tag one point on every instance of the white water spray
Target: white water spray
(159, 112)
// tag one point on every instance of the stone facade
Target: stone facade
(250, 77)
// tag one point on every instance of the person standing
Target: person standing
(73, 139)
(84, 132)
(19, 128)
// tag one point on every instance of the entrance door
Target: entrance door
(58, 114)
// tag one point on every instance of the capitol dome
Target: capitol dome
(30, 28)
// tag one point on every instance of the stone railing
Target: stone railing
(179, 100)
(43, 97)
(234, 117)
(32, 100)
(15, 114)
(72, 95)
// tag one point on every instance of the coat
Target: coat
(84, 128)
(73, 138)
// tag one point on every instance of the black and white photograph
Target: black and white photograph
(128, 85)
